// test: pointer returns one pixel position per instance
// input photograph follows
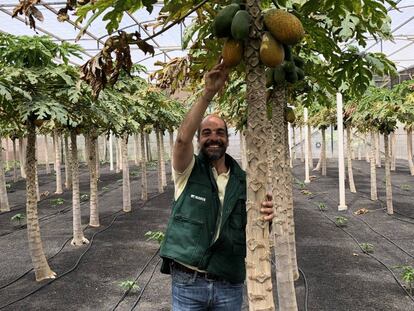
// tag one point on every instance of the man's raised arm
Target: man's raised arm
(183, 148)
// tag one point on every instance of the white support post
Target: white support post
(341, 162)
(111, 153)
(305, 117)
(290, 145)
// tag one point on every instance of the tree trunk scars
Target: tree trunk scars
(93, 184)
(349, 159)
(22, 152)
(40, 264)
(37, 183)
(126, 187)
(410, 150)
(378, 149)
(302, 148)
(78, 237)
(4, 201)
(279, 151)
(393, 150)
(47, 155)
(157, 136)
(68, 167)
(373, 172)
(59, 189)
(162, 159)
(323, 152)
(258, 266)
(14, 161)
(388, 184)
(144, 187)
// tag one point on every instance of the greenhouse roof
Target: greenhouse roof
(168, 44)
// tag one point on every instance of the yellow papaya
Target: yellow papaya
(272, 53)
(284, 26)
(232, 52)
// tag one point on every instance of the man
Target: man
(205, 243)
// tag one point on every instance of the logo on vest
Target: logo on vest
(193, 196)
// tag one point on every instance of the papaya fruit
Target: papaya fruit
(288, 66)
(288, 52)
(232, 52)
(292, 77)
(301, 73)
(290, 115)
(269, 77)
(279, 75)
(299, 62)
(271, 52)
(284, 26)
(222, 22)
(240, 25)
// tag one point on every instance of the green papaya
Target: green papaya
(222, 22)
(288, 52)
(279, 75)
(292, 77)
(301, 73)
(289, 66)
(299, 62)
(269, 77)
(240, 25)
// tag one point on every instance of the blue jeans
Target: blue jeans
(194, 293)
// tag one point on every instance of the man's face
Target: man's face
(213, 140)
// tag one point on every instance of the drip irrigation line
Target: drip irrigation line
(136, 279)
(305, 280)
(77, 262)
(145, 286)
(372, 256)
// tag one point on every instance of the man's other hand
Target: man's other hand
(267, 208)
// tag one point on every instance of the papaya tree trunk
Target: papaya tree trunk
(393, 147)
(302, 148)
(410, 150)
(59, 189)
(22, 148)
(14, 161)
(54, 151)
(319, 164)
(136, 151)
(359, 147)
(37, 182)
(378, 149)
(105, 148)
(97, 159)
(367, 149)
(160, 185)
(86, 149)
(68, 166)
(126, 188)
(4, 201)
(284, 276)
(242, 150)
(78, 237)
(148, 144)
(40, 264)
(349, 159)
(171, 137)
(47, 154)
(373, 171)
(310, 146)
(388, 183)
(93, 183)
(258, 268)
(6, 154)
(111, 152)
(117, 161)
(293, 143)
(163, 171)
(144, 187)
(323, 154)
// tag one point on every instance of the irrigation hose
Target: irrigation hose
(305, 280)
(145, 286)
(77, 262)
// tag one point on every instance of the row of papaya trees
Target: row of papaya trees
(380, 111)
(332, 61)
(38, 96)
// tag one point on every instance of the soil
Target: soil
(338, 274)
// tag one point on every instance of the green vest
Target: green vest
(189, 238)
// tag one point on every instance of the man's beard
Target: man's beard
(213, 154)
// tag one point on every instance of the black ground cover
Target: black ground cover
(339, 275)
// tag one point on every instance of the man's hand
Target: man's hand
(215, 79)
(267, 208)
